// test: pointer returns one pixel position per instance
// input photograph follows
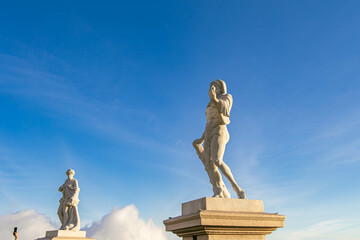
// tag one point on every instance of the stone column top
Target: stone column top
(222, 204)
(65, 233)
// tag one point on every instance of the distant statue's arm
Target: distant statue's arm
(74, 198)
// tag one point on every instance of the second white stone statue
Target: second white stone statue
(68, 211)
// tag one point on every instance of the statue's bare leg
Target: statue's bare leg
(218, 144)
(219, 187)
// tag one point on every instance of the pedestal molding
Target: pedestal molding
(222, 225)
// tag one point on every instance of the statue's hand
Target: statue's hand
(197, 142)
(212, 93)
(71, 202)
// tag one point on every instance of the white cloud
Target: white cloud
(119, 224)
(31, 225)
(125, 224)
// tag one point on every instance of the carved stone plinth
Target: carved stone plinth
(65, 235)
(224, 219)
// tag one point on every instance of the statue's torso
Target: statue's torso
(212, 114)
(70, 189)
(214, 123)
(70, 183)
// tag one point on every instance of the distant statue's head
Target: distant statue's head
(220, 86)
(70, 172)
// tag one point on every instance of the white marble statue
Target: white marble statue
(215, 138)
(68, 210)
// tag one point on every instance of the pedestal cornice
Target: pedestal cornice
(203, 223)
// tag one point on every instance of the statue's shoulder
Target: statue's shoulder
(73, 181)
(226, 97)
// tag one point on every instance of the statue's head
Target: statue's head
(70, 172)
(220, 86)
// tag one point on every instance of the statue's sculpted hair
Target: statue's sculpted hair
(70, 171)
(222, 85)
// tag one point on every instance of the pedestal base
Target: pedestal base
(65, 235)
(224, 219)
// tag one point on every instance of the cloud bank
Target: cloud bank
(119, 224)
(125, 224)
(31, 225)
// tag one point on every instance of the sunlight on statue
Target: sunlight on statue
(68, 210)
(215, 138)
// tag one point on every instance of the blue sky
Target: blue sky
(117, 91)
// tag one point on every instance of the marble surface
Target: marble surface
(68, 208)
(221, 204)
(224, 219)
(211, 146)
(65, 233)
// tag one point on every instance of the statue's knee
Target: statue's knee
(217, 162)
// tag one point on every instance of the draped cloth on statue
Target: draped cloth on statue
(68, 210)
(226, 102)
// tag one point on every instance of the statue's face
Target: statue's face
(71, 175)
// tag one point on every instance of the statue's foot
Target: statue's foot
(241, 194)
(225, 193)
(66, 227)
(222, 194)
(74, 227)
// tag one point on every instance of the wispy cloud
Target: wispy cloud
(338, 143)
(58, 96)
(336, 229)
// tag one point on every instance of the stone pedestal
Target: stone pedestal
(224, 219)
(65, 235)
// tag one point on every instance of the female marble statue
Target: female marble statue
(68, 210)
(215, 138)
